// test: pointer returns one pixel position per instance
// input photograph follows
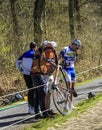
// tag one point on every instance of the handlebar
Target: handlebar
(51, 61)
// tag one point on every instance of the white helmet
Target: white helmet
(76, 42)
(46, 42)
(54, 44)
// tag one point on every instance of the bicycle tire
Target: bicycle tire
(61, 95)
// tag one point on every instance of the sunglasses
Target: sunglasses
(77, 46)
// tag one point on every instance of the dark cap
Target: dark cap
(32, 45)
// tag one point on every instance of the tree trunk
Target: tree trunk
(38, 10)
(15, 25)
(100, 57)
(14, 18)
(71, 18)
(77, 11)
(45, 23)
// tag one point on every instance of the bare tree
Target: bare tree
(13, 15)
(15, 24)
(1, 1)
(77, 12)
(71, 18)
(100, 57)
(38, 10)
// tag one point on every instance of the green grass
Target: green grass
(59, 119)
(12, 105)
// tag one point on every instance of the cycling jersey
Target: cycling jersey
(69, 57)
(25, 61)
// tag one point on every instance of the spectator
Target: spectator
(24, 64)
(40, 81)
(49, 79)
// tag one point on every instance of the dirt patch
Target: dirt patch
(89, 120)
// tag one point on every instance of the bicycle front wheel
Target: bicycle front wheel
(61, 95)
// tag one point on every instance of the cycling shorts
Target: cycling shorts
(71, 75)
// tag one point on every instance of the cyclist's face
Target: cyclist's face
(75, 47)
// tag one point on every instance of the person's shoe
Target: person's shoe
(31, 110)
(38, 117)
(47, 115)
(74, 93)
(73, 107)
(66, 107)
(51, 112)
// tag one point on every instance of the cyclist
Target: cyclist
(69, 56)
(24, 64)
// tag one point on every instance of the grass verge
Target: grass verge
(59, 119)
(12, 105)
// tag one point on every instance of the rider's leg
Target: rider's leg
(71, 79)
(70, 88)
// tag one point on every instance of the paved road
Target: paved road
(15, 114)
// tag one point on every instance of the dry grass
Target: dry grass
(57, 29)
(11, 83)
(89, 120)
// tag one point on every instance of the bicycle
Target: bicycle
(61, 93)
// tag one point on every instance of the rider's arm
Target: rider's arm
(61, 54)
(76, 56)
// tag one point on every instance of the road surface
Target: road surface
(9, 117)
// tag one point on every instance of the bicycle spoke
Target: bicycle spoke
(61, 99)
(61, 95)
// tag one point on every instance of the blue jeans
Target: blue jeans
(39, 93)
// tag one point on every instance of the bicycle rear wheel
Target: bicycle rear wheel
(61, 95)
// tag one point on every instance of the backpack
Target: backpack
(43, 58)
